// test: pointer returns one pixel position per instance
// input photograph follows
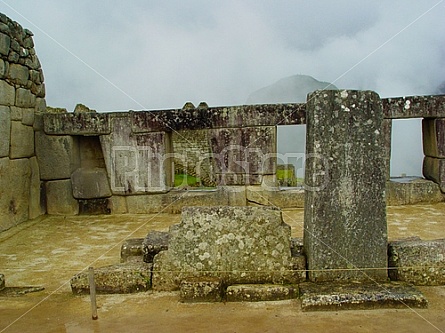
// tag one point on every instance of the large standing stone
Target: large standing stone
(5, 43)
(58, 156)
(345, 234)
(7, 93)
(22, 140)
(434, 169)
(5, 130)
(139, 163)
(25, 98)
(59, 198)
(236, 244)
(35, 207)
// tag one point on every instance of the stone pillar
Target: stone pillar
(345, 230)
(434, 150)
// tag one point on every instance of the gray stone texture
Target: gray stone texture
(28, 116)
(420, 262)
(25, 98)
(237, 244)
(124, 278)
(208, 289)
(283, 198)
(5, 43)
(434, 169)
(63, 123)
(59, 198)
(7, 93)
(356, 296)
(261, 292)
(22, 140)
(412, 192)
(433, 138)
(2, 282)
(414, 107)
(90, 183)
(132, 250)
(136, 164)
(5, 130)
(14, 191)
(118, 204)
(58, 156)
(153, 243)
(19, 74)
(35, 206)
(345, 212)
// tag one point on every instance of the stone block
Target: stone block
(7, 94)
(19, 74)
(16, 113)
(145, 204)
(136, 164)
(28, 117)
(35, 207)
(434, 169)
(58, 156)
(239, 245)
(412, 191)
(90, 183)
(115, 279)
(25, 98)
(345, 207)
(3, 68)
(57, 123)
(91, 155)
(59, 198)
(260, 292)
(283, 198)
(175, 201)
(356, 296)
(14, 191)
(5, 44)
(433, 138)
(22, 140)
(153, 243)
(132, 250)
(5, 130)
(207, 289)
(420, 262)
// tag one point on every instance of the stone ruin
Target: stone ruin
(87, 162)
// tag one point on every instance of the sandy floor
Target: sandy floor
(49, 251)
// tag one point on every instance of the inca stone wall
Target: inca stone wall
(22, 99)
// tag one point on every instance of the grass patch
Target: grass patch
(183, 180)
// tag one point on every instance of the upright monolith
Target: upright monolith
(345, 232)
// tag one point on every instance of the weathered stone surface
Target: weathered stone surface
(22, 140)
(91, 155)
(90, 183)
(59, 198)
(132, 250)
(414, 107)
(5, 44)
(19, 74)
(118, 204)
(3, 68)
(28, 117)
(237, 244)
(283, 198)
(145, 204)
(25, 98)
(387, 137)
(115, 279)
(345, 228)
(80, 108)
(434, 169)
(260, 292)
(433, 138)
(334, 297)
(2, 282)
(153, 243)
(243, 152)
(14, 191)
(137, 164)
(412, 191)
(206, 289)
(58, 156)
(57, 123)
(5, 130)
(417, 261)
(7, 93)
(35, 208)
(94, 206)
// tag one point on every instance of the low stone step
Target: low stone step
(260, 292)
(124, 278)
(132, 250)
(356, 296)
(202, 289)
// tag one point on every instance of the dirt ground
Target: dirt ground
(50, 250)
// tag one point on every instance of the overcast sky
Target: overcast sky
(141, 54)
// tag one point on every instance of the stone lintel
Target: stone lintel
(76, 123)
(414, 107)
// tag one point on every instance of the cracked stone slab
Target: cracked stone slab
(357, 296)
